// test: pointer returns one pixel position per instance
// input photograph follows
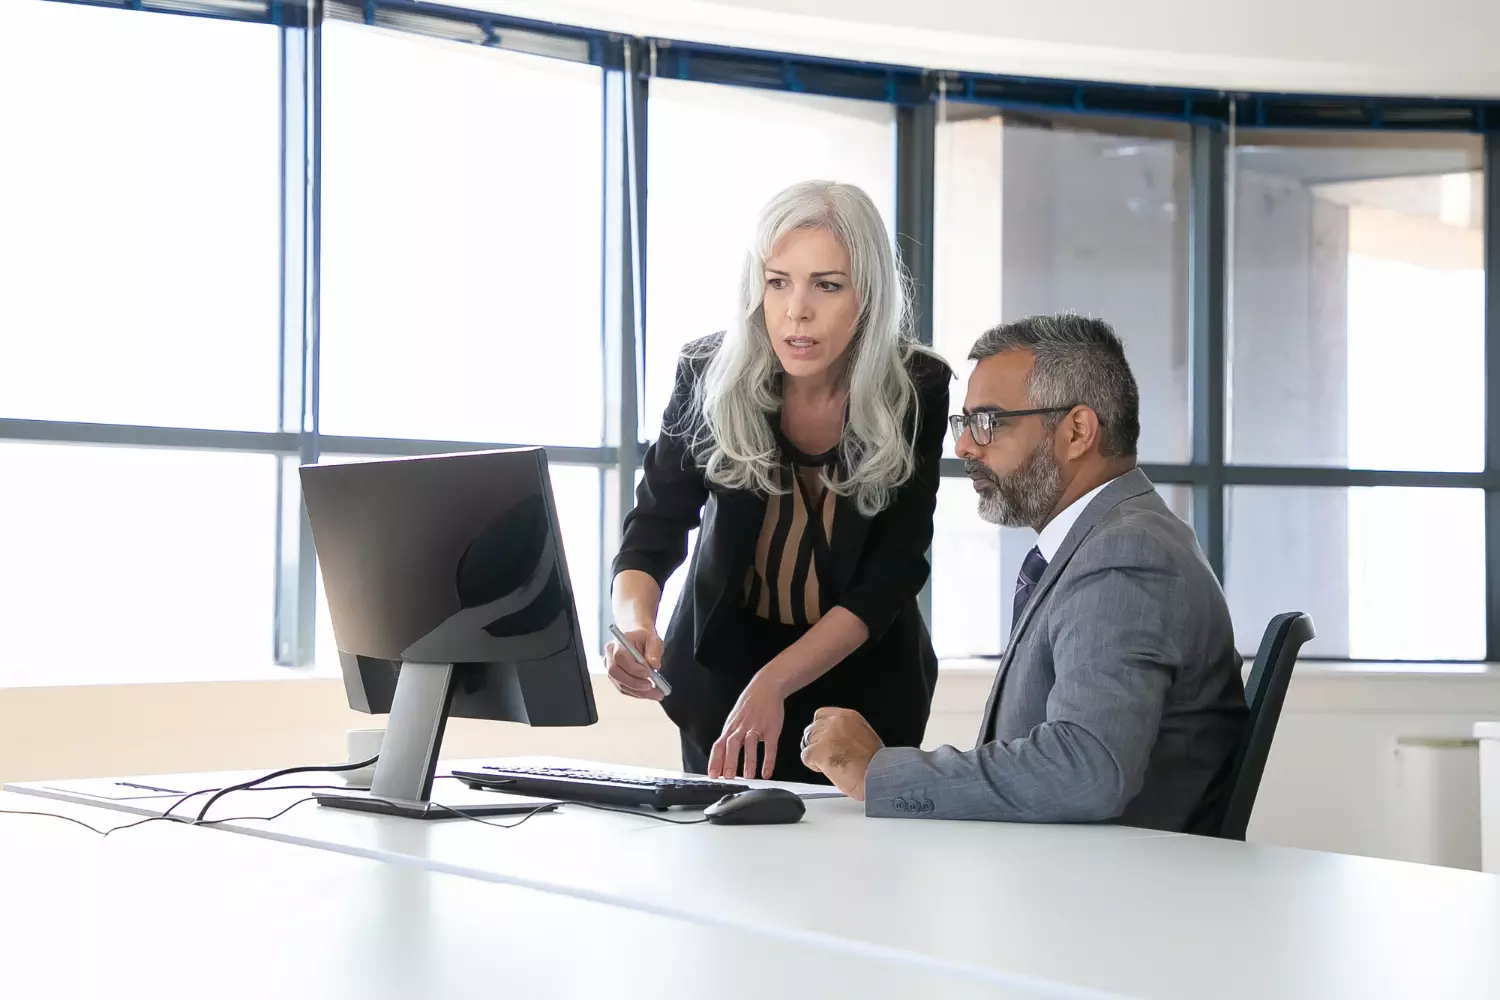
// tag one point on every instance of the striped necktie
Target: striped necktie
(1031, 572)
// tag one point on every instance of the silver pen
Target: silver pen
(657, 680)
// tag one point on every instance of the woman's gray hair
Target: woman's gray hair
(729, 434)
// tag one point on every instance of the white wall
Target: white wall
(1443, 48)
(1332, 782)
(111, 730)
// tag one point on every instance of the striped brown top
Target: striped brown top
(783, 582)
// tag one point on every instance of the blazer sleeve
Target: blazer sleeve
(669, 499)
(1115, 651)
(893, 566)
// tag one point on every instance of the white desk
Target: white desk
(166, 911)
(1100, 908)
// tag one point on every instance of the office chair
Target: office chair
(1264, 692)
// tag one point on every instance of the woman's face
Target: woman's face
(809, 302)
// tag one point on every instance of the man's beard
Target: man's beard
(1023, 498)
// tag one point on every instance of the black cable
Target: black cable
(251, 786)
(267, 788)
(214, 822)
(254, 786)
(320, 768)
(246, 786)
(261, 819)
(487, 822)
(66, 819)
(172, 819)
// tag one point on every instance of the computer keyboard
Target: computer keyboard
(604, 787)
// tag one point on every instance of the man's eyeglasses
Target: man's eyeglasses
(982, 423)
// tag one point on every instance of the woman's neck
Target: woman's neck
(812, 413)
(824, 387)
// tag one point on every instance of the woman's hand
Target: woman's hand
(754, 726)
(628, 676)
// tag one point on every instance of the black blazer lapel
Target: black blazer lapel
(1132, 484)
(850, 529)
(726, 541)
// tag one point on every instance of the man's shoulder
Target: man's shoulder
(1138, 557)
(1142, 532)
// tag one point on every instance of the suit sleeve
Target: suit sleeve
(669, 499)
(1115, 651)
(893, 566)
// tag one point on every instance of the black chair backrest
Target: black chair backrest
(1265, 692)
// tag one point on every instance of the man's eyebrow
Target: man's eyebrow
(985, 408)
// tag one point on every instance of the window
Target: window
(138, 219)
(131, 564)
(1385, 572)
(717, 154)
(462, 239)
(576, 491)
(1064, 216)
(576, 494)
(972, 560)
(1358, 286)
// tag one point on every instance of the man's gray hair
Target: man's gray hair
(1078, 360)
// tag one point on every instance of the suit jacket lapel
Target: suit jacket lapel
(1132, 484)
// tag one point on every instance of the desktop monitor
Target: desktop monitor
(449, 595)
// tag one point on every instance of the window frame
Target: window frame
(628, 64)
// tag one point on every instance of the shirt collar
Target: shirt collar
(1051, 537)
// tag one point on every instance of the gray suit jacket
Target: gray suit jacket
(1119, 697)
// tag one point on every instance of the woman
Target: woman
(806, 441)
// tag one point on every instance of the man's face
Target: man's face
(1016, 475)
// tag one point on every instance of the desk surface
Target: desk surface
(1095, 907)
(194, 914)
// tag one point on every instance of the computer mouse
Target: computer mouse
(757, 805)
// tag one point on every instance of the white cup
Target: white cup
(363, 744)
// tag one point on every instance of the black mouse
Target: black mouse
(757, 805)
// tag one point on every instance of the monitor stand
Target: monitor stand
(409, 753)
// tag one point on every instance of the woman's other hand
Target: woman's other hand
(753, 727)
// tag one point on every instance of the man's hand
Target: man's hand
(840, 744)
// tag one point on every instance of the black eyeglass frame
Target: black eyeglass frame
(958, 422)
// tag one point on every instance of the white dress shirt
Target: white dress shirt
(1051, 538)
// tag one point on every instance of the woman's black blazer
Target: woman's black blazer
(878, 564)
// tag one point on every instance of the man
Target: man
(1119, 695)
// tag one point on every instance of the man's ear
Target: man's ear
(1080, 430)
